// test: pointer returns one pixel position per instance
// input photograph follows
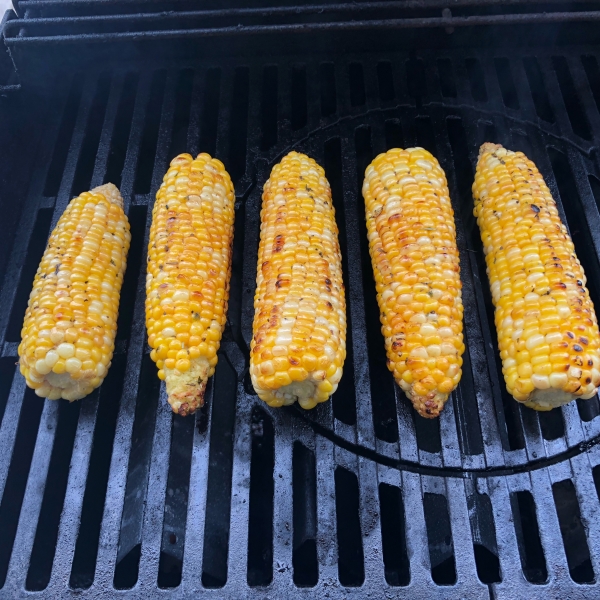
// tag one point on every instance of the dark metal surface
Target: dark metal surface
(361, 497)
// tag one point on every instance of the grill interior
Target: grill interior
(114, 494)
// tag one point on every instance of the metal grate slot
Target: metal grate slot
(439, 535)
(269, 107)
(239, 124)
(130, 538)
(393, 535)
(137, 251)
(393, 134)
(260, 518)
(357, 84)
(351, 568)
(65, 132)
(176, 503)
(147, 152)
(446, 75)
(573, 533)
(328, 91)
(476, 79)
(218, 494)
(575, 110)
(304, 486)
(344, 400)
(415, 79)
(16, 480)
(299, 97)
(485, 547)
(7, 371)
(507, 83)
(533, 561)
(122, 129)
(538, 89)
(210, 111)
(385, 78)
(87, 156)
(181, 115)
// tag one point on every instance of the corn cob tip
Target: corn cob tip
(185, 391)
(488, 147)
(429, 406)
(111, 192)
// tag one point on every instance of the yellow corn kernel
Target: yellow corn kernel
(544, 315)
(412, 242)
(299, 344)
(75, 297)
(189, 266)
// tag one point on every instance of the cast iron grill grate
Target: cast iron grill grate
(361, 496)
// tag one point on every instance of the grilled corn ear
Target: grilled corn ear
(189, 266)
(299, 344)
(547, 329)
(412, 242)
(68, 336)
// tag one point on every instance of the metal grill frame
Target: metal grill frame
(496, 471)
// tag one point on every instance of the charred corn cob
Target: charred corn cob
(299, 344)
(68, 336)
(547, 329)
(412, 242)
(187, 285)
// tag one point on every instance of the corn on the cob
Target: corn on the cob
(412, 242)
(547, 329)
(187, 285)
(299, 344)
(68, 336)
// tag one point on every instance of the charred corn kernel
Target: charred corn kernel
(299, 305)
(412, 242)
(74, 303)
(545, 318)
(189, 265)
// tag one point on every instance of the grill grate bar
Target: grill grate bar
(153, 515)
(355, 307)
(73, 502)
(462, 538)
(135, 139)
(193, 132)
(65, 190)
(590, 510)
(283, 516)
(549, 527)
(104, 145)
(240, 502)
(33, 499)
(194, 536)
